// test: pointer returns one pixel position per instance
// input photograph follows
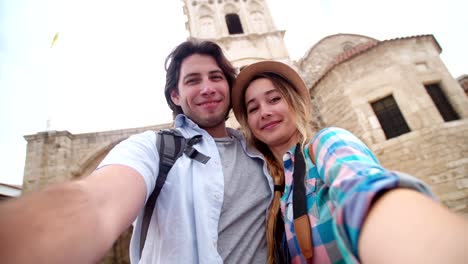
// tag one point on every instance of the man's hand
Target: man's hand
(75, 222)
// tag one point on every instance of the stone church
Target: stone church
(396, 95)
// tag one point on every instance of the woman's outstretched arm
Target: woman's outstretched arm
(404, 226)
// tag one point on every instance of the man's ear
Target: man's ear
(175, 97)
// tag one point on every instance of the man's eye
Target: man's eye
(217, 77)
(191, 81)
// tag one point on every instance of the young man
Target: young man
(205, 213)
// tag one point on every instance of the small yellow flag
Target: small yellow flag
(54, 39)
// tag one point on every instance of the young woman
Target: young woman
(338, 204)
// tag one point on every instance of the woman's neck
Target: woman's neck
(278, 152)
(280, 149)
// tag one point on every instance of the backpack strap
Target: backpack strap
(192, 153)
(171, 144)
(301, 217)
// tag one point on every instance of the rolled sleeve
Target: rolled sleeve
(355, 179)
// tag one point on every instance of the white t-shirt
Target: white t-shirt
(184, 225)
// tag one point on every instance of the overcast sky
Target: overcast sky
(106, 69)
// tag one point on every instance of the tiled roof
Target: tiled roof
(325, 39)
(362, 48)
(462, 77)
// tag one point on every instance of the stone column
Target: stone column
(48, 155)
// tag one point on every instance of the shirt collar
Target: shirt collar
(289, 153)
(182, 120)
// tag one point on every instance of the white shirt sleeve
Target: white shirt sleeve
(138, 152)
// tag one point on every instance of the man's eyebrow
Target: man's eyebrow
(265, 93)
(194, 74)
(197, 74)
(216, 71)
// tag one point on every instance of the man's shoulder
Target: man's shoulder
(148, 134)
(142, 139)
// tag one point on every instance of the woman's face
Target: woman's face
(269, 117)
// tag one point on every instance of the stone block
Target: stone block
(462, 183)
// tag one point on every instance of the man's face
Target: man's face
(203, 91)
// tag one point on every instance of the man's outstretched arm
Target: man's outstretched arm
(75, 222)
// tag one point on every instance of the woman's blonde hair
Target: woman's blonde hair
(302, 113)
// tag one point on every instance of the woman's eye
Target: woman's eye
(252, 110)
(275, 99)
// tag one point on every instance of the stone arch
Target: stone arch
(88, 163)
(258, 21)
(205, 10)
(257, 17)
(207, 27)
(119, 252)
(255, 6)
(230, 8)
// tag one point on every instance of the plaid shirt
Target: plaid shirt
(340, 190)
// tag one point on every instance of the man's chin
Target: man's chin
(210, 121)
(214, 122)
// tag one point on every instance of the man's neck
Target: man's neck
(218, 131)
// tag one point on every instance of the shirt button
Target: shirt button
(217, 196)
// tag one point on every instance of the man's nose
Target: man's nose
(207, 87)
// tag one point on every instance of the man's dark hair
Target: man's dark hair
(184, 50)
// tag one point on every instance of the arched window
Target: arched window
(207, 28)
(233, 23)
(389, 115)
(258, 22)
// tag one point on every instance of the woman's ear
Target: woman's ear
(175, 97)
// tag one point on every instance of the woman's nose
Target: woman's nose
(264, 112)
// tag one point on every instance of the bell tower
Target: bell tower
(243, 28)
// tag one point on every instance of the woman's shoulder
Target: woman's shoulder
(328, 135)
(332, 131)
(333, 139)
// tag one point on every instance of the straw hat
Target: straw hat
(245, 77)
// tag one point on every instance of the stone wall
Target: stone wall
(434, 151)
(437, 155)
(59, 156)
